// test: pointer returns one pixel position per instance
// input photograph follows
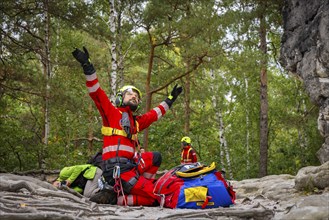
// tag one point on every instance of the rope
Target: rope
(118, 183)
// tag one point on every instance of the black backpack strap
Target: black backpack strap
(97, 160)
(80, 181)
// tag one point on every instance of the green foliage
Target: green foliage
(293, 135)
(227, 36)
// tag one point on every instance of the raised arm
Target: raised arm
(98, 95)
(156, 113)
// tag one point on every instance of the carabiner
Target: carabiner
(116, 172)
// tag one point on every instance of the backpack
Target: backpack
(194, 186)
(80, 181)
(97, 160)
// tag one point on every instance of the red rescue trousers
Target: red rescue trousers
(142, 192)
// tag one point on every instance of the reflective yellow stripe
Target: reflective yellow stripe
(108, 131)
(187, 156)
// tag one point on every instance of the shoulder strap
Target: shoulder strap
(109, 131)
(187, 159)
(80, 181)
(188, 153)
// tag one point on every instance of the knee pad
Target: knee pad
(157, 159)
(128, 185)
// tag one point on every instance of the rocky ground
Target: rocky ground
(304, 196)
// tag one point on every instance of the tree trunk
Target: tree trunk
(47, 73)
(247, 133)
(187, 90)
(263, 151)
(223, 144)
(223, 149)
(302, 138)
(90, 129)
(148, 90)
(113, 52)
(120, 59)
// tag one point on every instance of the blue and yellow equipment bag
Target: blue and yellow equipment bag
(194, 186)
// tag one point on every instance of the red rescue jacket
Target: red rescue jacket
(188, 155)
(111, 117)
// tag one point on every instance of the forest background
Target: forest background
(240, 108)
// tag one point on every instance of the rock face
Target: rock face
(286, 195)
(312, 177)
(274, 197)
(305, 53)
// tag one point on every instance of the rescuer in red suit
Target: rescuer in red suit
(135, 172)
(188, 154)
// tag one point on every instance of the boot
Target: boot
(105, 196)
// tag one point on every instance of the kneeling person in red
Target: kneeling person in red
(127, 175)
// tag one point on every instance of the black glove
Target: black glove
(83, 59)
(173, 95)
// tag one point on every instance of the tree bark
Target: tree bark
(223, 148)
(90, 129)
(47, 73)
(247, 132)
(113, 52)
(148, 90)
(263, 151)
(187, 90)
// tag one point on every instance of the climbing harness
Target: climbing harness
(125, 124)
(109, 131)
